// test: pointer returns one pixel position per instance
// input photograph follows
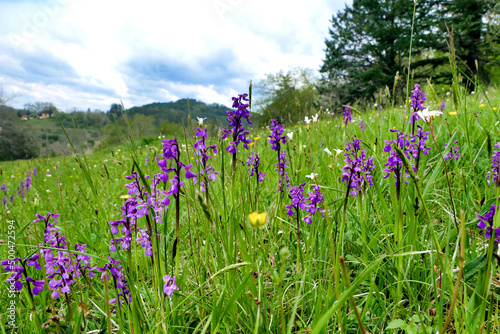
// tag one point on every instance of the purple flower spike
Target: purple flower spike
(171, 152)
(169, 286)
(276, 139)
(443, 105)
(33, 261)
(347, 117)
(37, 285)
(495, 167)
(280, 167)
(17, 273)
(297, 198)
(254, 163)
(362, 126)
(207, 172)
(315, 199)
(234, 117)
(277, 135)
(453, 152)
(358, 168)
(121, 285)
(486, 222)
(60, 266)
(394, 164)
(417, 102)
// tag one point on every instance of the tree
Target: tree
(115, 112)
(37, 107)
(5, 98)
(286, 96)
(472, 23)
(143, 126)
(370, 42)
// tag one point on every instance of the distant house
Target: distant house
(45, 114)
(25, 117)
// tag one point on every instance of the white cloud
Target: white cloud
(93, 53)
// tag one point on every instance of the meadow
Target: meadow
(381, 221)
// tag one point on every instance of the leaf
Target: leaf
(174, 249)
(396, 323)
(471, 268)
(411, 329)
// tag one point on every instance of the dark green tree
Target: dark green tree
(115, 111)
(474, 34)
(370, 42)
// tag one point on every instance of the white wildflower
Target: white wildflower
(337, 151)
(327, 151)
(290, 135)
(427, 115)
(315, 118)
(200, 120)
(307, 120)
(312, 176)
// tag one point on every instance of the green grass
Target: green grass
(403, 268)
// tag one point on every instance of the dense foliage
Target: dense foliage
(370, 43)
(286, 96)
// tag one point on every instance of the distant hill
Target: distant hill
(15, 141)
(34, 137)
(177, 111)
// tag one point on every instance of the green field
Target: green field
(387, 260)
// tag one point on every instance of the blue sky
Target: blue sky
(92, 53)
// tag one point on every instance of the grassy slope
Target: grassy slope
(285, 287)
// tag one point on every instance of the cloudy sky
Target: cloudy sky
(92, 53)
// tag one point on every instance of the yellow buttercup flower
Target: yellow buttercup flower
(296, 126)
(482, 105)
(124, 196)
(452, 113)
(256, 138)
(251, 144)
(494, 109)
(257, 220)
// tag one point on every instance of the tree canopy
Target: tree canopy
(370, 42)
(286, 97)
